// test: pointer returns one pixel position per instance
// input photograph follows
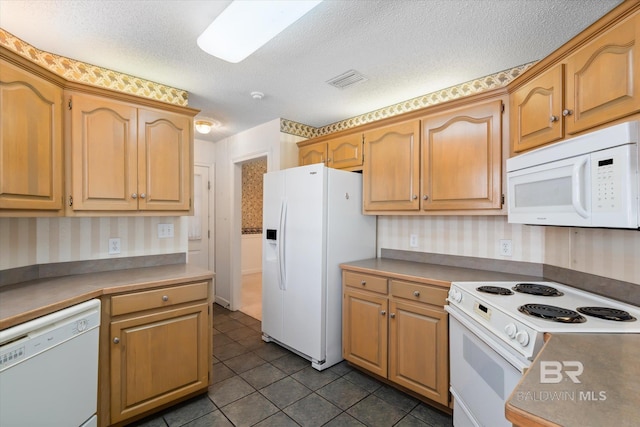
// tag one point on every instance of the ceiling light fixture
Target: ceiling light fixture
(244, 26)
(257, 95)
(204, 126)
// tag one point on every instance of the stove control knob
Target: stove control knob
(523, 338)
(511, 330)
(455, 295)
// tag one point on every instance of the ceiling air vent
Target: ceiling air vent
(347, 79)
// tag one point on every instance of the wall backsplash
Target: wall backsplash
(608, 253)
(252, 176)
(29, 241)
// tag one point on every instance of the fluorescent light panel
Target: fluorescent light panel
(246, 25)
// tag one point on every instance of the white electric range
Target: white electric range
(497, 328)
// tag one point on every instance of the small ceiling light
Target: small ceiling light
(204, 126)
(257, 95)
(246, 25)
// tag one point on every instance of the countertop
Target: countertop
(608, 392)
(434, 274)
(26, 301)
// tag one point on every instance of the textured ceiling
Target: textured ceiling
(405, 48)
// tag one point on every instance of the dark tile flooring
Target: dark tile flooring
(261, 384)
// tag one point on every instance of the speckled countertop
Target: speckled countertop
(434, 274)
(608, 391)
(25, 301)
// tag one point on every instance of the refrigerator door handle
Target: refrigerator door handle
(282, 278)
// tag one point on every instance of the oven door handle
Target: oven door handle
(519, 364)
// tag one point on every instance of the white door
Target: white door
(199, 230)
(304, 295)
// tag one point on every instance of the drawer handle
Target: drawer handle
(383, 312)
(363, 283)
(116, 340)
(392, 315)
(416, 293)
(165, 298)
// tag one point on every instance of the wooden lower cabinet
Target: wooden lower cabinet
(399, 333)
(159, 349)
(365, 330)
(419, 349)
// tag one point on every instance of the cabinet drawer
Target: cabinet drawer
(435, 295)
(365, 281)
(156, 298)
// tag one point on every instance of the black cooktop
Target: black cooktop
(495, 290)
(607, 313)
(537, 289)
(553, 313)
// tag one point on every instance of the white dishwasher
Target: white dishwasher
(49, 369)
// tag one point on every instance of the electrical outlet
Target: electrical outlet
(413, 240)
(505, 247)
(165, 231)
(114, 246)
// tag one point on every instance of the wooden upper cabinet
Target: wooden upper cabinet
(312, 154)
(31, 160)
(603, 78)
(345, 151)
(391, 167)
(536, 111)
(462, 158)
(164, 159)
(104, 154)
(125, 158)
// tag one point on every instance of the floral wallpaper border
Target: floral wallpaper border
(82, 72)
(493, 81)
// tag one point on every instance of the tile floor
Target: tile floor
(261, 384)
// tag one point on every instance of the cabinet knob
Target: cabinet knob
(416, 293)
(554, 119)
(566, 112)
(165, 298)
(143, 195)
(134, 196)
(414, 197)
(116, 340)
(363, 283)
(383, 312)
(392, 315)
(425, 197)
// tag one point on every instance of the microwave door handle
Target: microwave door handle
(577, 179)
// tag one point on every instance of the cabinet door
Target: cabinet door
(164, 161)
(536, 111)
(30, 141)
(103, 154)
(364, 330)
(419, 349)
(312, 154)
(391, 167)
(603, 78)
(461, 159)
(345, 152)
(157, 358)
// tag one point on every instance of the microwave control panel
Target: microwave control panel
(608, 167)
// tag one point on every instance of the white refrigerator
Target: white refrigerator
(312, 222)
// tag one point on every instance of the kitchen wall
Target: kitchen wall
(29, 241)
(281, 151)
(608, 253)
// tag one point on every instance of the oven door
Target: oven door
(482, 378)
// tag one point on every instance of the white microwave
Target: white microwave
(591, 180)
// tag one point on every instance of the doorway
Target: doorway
(251, 237)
